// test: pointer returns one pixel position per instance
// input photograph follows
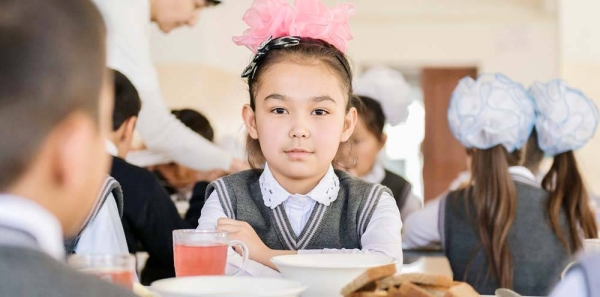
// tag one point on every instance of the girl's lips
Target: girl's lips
(297, 153)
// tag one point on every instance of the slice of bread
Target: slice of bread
(416, 278)
(369, 294)
(461, 290)
(366, 281)
(409, 289)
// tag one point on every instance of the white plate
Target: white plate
(222, 286)
(327, 274)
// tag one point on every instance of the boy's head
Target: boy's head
(127, 108)
(55, 105)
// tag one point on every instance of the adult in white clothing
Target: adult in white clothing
(128, 36)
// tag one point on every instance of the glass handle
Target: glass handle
(245, 254)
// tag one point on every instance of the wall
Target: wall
(580, 66)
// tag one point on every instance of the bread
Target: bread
(379, 282)
(462, 290)
(409, 289)
(366, 281)
(415, 278)
(369, 294)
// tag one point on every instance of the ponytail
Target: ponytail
(568, 192)
(495, 200)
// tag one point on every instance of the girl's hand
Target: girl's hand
(242, 231)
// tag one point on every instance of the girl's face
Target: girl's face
(171, 14)
(366, 146)
(299, 119)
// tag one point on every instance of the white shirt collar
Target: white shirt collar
(33, 219)
(274, 194)
(111, 148)
(523, 172)
(376, 175)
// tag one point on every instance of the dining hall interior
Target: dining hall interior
(299, 148)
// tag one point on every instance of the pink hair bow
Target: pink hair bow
(308, 18)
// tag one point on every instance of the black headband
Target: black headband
(277, 43)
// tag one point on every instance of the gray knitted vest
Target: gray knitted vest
(538, 257)
(337, 226)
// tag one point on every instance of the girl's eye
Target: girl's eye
(319, 112)
(279, 111)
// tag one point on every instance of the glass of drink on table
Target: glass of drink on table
(117, 269)
(203, 252)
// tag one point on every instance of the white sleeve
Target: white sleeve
(104, 235)
(383, 234)
(412, 204)
(422, 227)
(573, 285)
(128, 50)
(211, 212)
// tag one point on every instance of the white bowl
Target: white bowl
(227, 286)
(327, 274)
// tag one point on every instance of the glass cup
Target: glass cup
(117, 269)
(203, 252)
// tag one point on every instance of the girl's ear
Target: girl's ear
(349, 124)
(250, 121)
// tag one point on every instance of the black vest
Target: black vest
(399, 186)
(537, 254)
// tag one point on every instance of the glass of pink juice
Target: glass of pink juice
(203, 252)
(117, 269)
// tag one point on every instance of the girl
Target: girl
(495, 232)
(299, 113)
(367, 141)
(566, 120)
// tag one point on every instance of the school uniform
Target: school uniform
(406, 201)
(342, 214)
(538, 256)
(102, 233)
(32, 255)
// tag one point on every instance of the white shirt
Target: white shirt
(382, 235)
(31, 218)
(127, 23)
(573, 285)
(422, 228)
(377, 175)
(105, 234)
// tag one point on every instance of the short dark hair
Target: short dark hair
(52, 54)
(195, 121)
(371, 113)
(127, 100)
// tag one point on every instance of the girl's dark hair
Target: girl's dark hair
(568, 192)
(494, 198)
(371, 113)
(309, 50)
(195, 121)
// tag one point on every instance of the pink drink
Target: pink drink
(200, 260)
(123, 278)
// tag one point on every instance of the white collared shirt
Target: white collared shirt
(422, 227)
(128, 51)
(31, 218)
(382, 235)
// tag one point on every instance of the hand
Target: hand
(242, 231)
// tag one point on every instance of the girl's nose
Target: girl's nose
(299, 132)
